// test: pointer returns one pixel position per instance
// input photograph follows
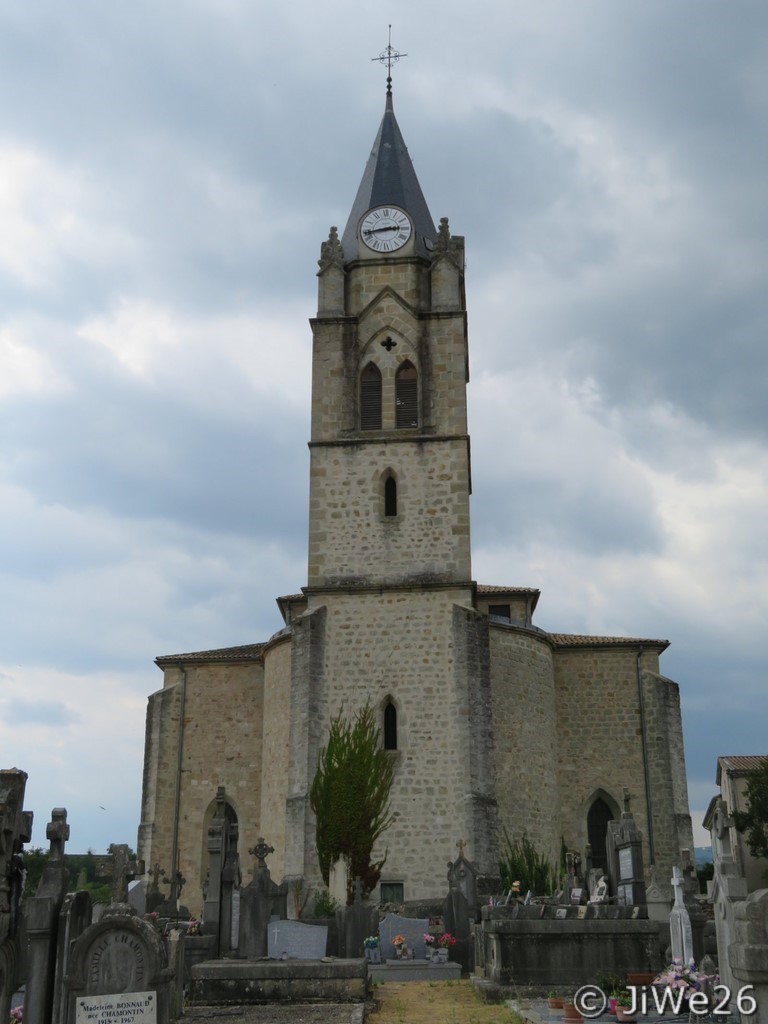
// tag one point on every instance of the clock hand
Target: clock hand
(384, 227)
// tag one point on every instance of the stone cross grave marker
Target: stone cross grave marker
(293, 940)
(680, 929)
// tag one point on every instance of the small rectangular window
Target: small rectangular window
(500, 612)
(392, 892)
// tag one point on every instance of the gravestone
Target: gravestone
(458, 912)
(293, 940)
(462, 875)
(41, 914)
(356, 923)
(411, 928)
(74, 918)
(231, 879)
(218, 842)
(118, 973)
(154, 897)
(15, 830)
(260, 901)
(628, 845)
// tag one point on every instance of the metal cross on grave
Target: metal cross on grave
(261, 851)
(155, 874)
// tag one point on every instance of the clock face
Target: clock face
(385, 229)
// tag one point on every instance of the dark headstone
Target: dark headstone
(260, 901)
(458, 918)
(74, 918)
(15, 830)
(356, 923)
(42, 918)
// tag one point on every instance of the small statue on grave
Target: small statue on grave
(600, 891)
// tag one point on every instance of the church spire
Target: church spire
(390, 179)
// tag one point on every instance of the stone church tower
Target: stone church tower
(488, 718)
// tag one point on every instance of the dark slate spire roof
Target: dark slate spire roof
(389, 177)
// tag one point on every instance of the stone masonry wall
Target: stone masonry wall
(159, 785)
(351, 540)
(221, 746)
(399, 645)
(277, 690)
(672, 830)
(599, 741)
(524, 734)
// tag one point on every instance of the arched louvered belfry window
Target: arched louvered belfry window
(406, 396)
(390, 496)
(370, 398)
(390, 726)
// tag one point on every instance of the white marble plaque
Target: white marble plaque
(120, 1009)
(625, 863)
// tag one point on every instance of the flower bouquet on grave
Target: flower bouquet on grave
(678, 982)
(429, 942)
(446, 942)
(194, 926)
(399, 943)
(372, 951)
(17, 1014)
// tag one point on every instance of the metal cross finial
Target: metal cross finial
(389, 57)
(261, 851)
(460, 846)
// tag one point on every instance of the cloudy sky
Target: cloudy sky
(168, 172)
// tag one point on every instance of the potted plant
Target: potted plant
(623, 1002)
(570, 1011)
(372, 951)
(554, 1001)
(445, 942)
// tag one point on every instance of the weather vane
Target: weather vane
(389, 57)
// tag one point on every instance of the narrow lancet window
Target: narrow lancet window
(390, 496)
(370, 398)
(390, 726)
(406, 396)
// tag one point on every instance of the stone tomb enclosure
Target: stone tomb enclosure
(293, 940)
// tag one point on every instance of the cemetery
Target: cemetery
(142, 958)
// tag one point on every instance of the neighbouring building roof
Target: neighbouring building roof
(246, 652)
(739, 764)
(576, 640)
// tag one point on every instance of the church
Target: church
(488, 718)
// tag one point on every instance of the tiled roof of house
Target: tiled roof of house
(739, 764)
(246, 652)
(483, 588)
(576, 640)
